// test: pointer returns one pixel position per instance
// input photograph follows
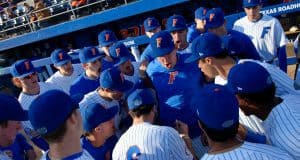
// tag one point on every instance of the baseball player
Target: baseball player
(265, 32)
(220, 122)
(199, 26)
(113, 88)
(176, 25)
(238, 44)
(130, 70)
(99, 130)
(67, 72)
(107, 38)
(25, 77)
(143, 140)
(57, 119)
(170, 74)
(90, 59)
(151, 26)
(13, 145)
(213, 59)
(255, 91)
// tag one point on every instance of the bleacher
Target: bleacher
(61, 11)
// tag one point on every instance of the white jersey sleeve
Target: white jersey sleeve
(250, 151)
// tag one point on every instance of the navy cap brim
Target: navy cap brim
(105, 44)
(62, 62)
(177, 29)
(127, 85)
(121, 60)
(192, 58)
(250, 5)
(94, 59)
(26, 74)
(22, 116)
(151, 28)
(111, 112)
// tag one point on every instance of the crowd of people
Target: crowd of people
(197, 92)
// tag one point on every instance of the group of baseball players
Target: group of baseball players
(197, 92)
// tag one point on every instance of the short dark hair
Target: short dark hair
(221, 135)
(262, 98)
(57, 135)
(222, 55)
(3, 124)
(142, 110)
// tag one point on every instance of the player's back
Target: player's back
(151, 142)
(282, 126)
(250, 151)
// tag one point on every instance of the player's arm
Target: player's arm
(281, 41)
(183, 130)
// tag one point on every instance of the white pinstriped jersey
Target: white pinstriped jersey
(65, 82)
(284, 85)
(136, 75)
(250, 151)
(94, 97)
(84, 155)
(282, 126)
(266, 34)
(25, 101)
(152, 143)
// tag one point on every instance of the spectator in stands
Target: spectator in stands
(41, 14)
(28, 8)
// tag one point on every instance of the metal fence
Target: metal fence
(61, 11)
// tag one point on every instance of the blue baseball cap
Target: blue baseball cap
(248, 77)
(175, 23)
(234, 44)
(113, 79)
(106, 38)
(217, 107)
(205, 45)
(150, 24)
(139, 98)
(95, 114)
(22, 68)
(214, 18)
(119, 53)
(161, 44)
(89, 54)
(251, 3)
(11, 109)
(60, 57)
(50, 110)
(200, 13)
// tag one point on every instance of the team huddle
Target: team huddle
(197, 92)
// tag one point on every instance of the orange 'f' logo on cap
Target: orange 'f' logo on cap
(174, 22)
(60, 55)
(106, 37)
(149, 22)
(211, 16)
(93, 51)
(158, 42)
(118, 52)
(27, 65)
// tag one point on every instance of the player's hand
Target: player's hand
(242, 132)
(181, 127)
